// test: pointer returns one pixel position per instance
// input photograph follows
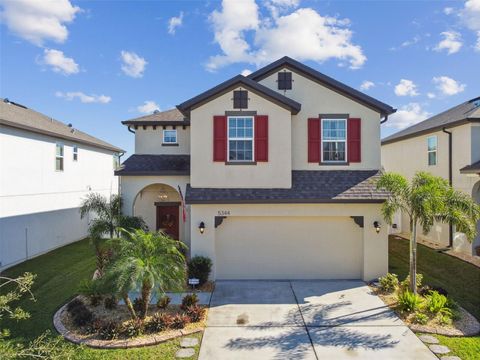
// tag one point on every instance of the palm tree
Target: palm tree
(145, 262)
(426, 200)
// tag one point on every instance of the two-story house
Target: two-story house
(446, 145)
(277, 170)
(47, 168)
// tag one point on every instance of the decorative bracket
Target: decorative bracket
(358, 220)
(219, 220)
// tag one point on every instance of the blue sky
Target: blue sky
(95, 63)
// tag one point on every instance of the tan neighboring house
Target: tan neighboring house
(446, 145)
(277, 172)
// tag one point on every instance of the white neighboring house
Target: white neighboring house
(47, 168)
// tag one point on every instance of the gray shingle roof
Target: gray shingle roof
(155, 165)
(463, 113)
(471, 169)
(168, 117)
(18, 116)
(324, 186)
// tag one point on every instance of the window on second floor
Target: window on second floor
(169, 136)
(240, 138)
(334, 140)
(75, 153)
(432, 150)
(59, 157)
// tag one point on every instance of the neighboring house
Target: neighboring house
(47, 167)
(446, 145)
(278, 172)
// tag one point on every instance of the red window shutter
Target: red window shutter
(219, 138)
(261, 138)
(354, 140)
(314, 135)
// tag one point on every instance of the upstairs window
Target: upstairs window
(240, 99)
(284, 80)
(169, 136)
(116, 161)
(240, 138)
(75, 153)
(432, 150)
(59, 157)
(334, 140)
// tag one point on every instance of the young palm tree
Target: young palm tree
(145, 262)
(426, 200)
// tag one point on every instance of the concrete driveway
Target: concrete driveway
(338, 319)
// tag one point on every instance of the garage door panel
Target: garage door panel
(288, 248)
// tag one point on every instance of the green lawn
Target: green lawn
(58, 275)
(460, 279)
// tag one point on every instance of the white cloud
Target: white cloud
(133, 65)
(477, 45)
(309, 36)
(448, 11)
(406, 88)
(37, 21)
(431, 95)
(470, 16)
(57, 60)
(448, 86)
(174, 23)
(246, 72)
(367, 84)
(452, 42)
(84, 98)
(407, 115)
(148, 107)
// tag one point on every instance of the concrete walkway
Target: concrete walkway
(304, 320)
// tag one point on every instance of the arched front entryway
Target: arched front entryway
(476, 198)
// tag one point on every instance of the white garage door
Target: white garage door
(288, 248)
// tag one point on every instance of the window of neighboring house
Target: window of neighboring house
(116, 161)
(169, 136)
(59, 157)
(284, 80)
(432, 150)
(240, 99)
(75, 153)
(240, 138)
(334, 140)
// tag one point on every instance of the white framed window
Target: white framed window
(75, 153)
(116, 161)
(334, 140)
(59, 157)
(240, 138)
(170, 136)
(432, 150)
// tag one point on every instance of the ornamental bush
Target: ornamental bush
(388, 283)
(409, 302)
(163, 302)
(189, 300)
(159, 322)
(200, 267)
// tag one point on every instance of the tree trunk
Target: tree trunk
(146, 293)
(413, 256)
(129, 304)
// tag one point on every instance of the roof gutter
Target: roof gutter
(450, 179)
(132, 131)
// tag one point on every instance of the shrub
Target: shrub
(444, 319)
(95, 326)
(437, 304)
(110, 302)
(179, 321)
(159, 322)
(95, 300)
(425, 290)
(200, 267)
(420, 318)
(163, 302)
(109, 330)
(388, 283)
(409, 302)
(133, 328)
(195, 313)
(74, 304)
(405, 284)
(189, 300)
(138, 305)
(81, 316)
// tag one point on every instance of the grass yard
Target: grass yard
(58, 275)
(460, 279)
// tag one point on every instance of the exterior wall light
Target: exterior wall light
(201, 227)
(376, 225)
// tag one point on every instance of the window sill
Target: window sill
(240, 163)
(170, 144)
(326, 163)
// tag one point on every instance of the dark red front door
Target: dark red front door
(167, 220)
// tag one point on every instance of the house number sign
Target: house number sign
(223, 212)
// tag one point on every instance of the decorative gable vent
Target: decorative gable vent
(240, 99)
(284, 80)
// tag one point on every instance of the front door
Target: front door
(167, 220)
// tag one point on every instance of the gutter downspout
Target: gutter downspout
(384, 120)
(128, 128)
(450, 180)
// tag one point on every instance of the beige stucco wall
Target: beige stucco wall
(276, 173)
(374, 250)
(317, 99)
(149, 141)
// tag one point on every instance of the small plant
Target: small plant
(444, 319)
(133, 328)
(109, 330)
(388, 283)
(425, 290)
(159, 322)
(95, 326)
(95, 299)
(200, 267)
(409, 302)
(138, 305)
(420, 318)
(163, 302)
(405, 284)
(110, 302)
(80, 314)
(437, 304)
(189, 300)
(195, 313)
(179, 321)
(74, 304)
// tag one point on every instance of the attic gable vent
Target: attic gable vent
(240, 99)
(284, 80)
